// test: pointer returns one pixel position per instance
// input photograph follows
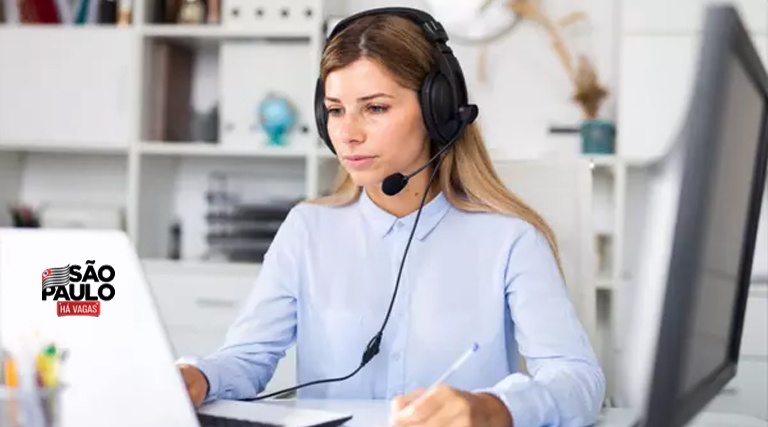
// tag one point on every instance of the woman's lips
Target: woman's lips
(359, 162)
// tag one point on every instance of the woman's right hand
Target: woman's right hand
(197, 385)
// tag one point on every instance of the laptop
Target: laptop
(96, 304)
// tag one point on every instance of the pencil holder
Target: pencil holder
(30, 408)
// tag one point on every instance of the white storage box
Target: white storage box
(279, 17)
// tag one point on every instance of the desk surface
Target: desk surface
(373, 413)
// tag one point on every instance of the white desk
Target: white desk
(375, 413)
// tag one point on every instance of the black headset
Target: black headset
(443, 93)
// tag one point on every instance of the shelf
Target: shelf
(203, 149)
(197, 265)
(597, 160)
(89, 28)
(215, 32)
(64, 147)
(604, 283)
(602, 160)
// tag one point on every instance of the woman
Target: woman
(482, 267)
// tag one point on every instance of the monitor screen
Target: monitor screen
(714, 305)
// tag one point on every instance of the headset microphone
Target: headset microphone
(395, 183)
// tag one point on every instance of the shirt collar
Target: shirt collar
(384, 222)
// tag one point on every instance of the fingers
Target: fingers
(455, 413)
(195, 384)
(418, 412)
(400, 402)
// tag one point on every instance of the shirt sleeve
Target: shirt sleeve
(266, 324)
(565, 385)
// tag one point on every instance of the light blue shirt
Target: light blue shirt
(326, 283)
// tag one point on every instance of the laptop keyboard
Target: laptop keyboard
(214, 421)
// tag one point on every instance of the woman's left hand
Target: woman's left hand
(448, 407)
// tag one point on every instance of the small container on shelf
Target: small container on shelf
(185, 12)
(191, 12)
(125, 12)
(598, 137)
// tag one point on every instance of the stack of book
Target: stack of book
(244, 231)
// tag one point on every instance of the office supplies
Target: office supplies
(451, 369)
(120, 365)
(47, 364)
(32, 396)
(10, 372)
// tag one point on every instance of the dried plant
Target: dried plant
(588, 92)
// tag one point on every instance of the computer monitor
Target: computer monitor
(701, 213)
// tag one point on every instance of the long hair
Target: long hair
(466, 177)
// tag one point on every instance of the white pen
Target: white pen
(453, 368)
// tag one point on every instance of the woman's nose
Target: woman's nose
(350, 130)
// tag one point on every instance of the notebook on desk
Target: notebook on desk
(120, 369)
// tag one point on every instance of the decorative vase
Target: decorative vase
(598, 137)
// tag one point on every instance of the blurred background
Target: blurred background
(189, 124)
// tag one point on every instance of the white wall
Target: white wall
(657, 66)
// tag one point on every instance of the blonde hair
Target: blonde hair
(466, 176)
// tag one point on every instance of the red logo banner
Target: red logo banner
(78, 308)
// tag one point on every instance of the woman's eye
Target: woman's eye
(377, 109)
(334, 111)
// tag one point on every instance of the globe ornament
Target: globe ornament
(276, 117)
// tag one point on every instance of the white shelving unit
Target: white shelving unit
(116, 90)
(201, 149)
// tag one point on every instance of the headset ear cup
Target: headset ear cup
(439, 108)
(427, 107)
(445, 107)
(321, 115)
